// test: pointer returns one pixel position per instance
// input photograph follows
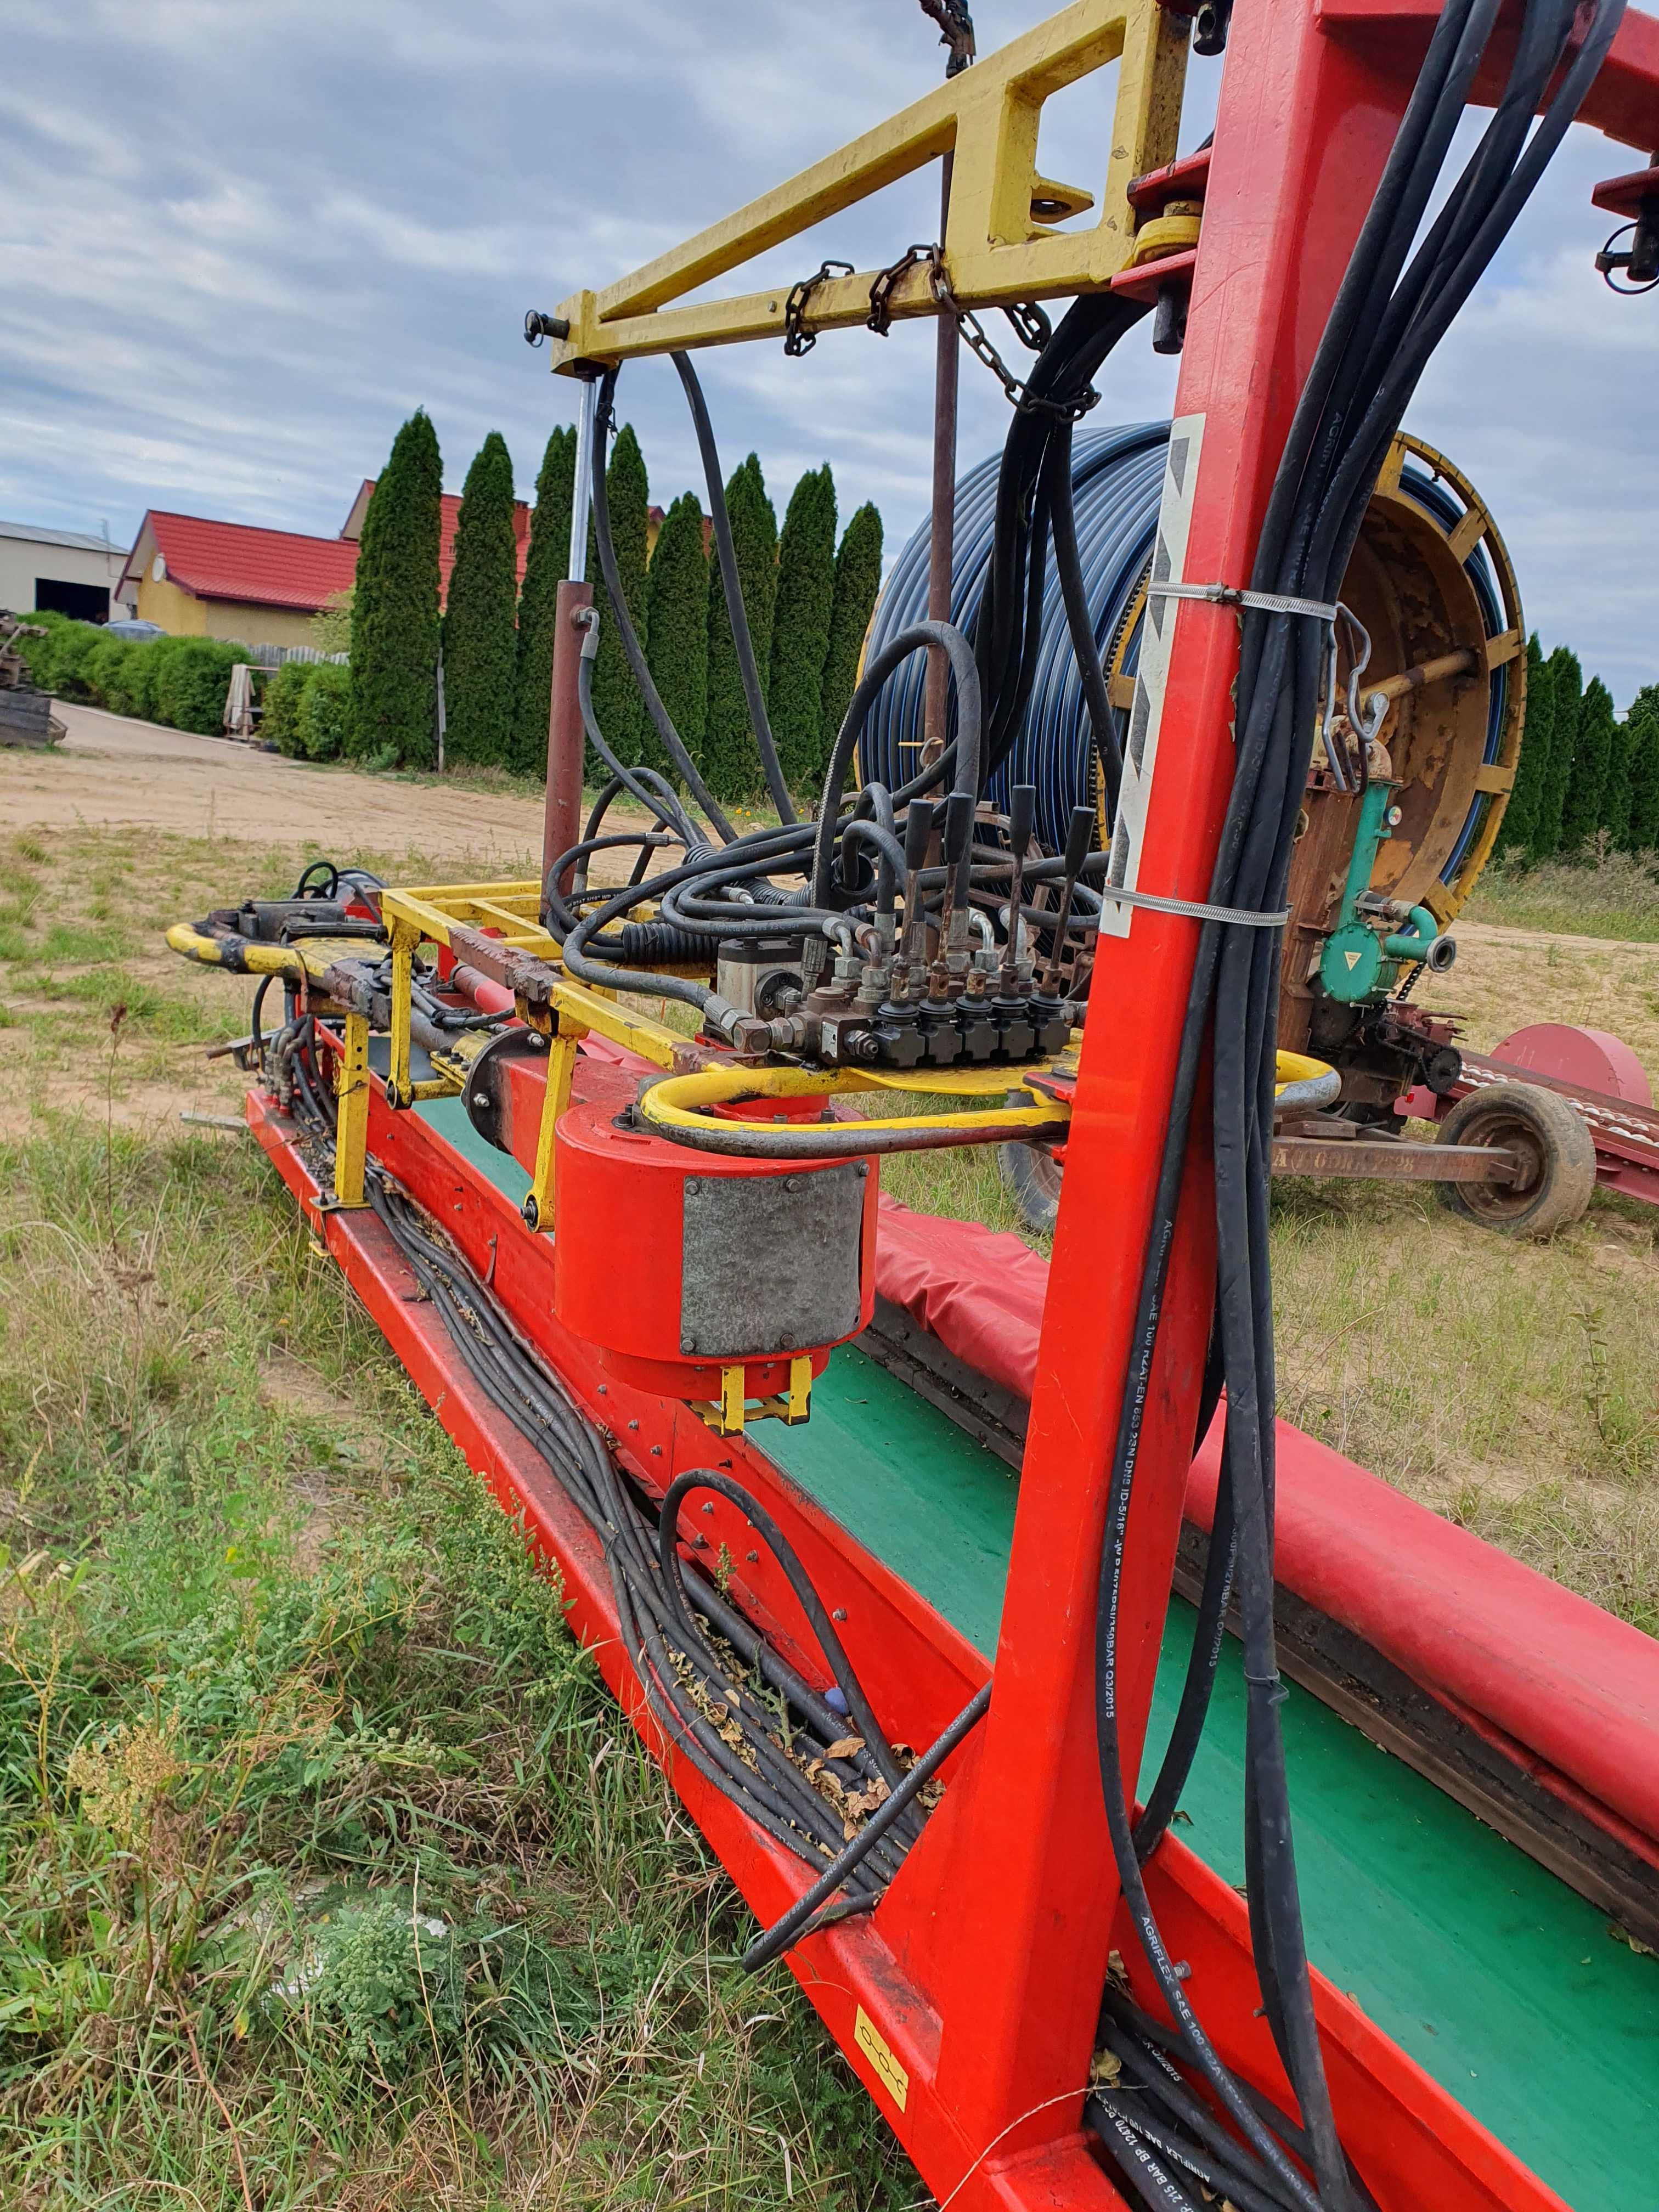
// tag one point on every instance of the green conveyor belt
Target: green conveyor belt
(1502, 1983)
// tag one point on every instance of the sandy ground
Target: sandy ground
(110, 772)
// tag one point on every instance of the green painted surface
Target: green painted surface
(448, 1117)
(1500, 1982)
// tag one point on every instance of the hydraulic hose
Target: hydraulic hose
(731, 587)
(661, 720)
(1377, 341)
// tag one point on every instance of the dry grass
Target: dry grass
(1614, 895)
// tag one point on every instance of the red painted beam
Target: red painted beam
(1417, 2144)
(1623, 102)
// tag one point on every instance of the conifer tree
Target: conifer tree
(543, 571)
(800, 627)
(677, 598)
(394, 606)
(858, 580)
(479, 642)
(1532, 770)
(1581, 818)
(1643, 720)
(618, 705)
(1617, 795)
(731, 762)
(1566, 697)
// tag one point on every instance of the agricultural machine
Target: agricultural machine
(1173, 752)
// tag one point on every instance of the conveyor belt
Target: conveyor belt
(1500, 1982)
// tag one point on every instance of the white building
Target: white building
(59, 572)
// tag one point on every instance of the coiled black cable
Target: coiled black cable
(702, 1665)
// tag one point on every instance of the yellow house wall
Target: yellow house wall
(181, 614)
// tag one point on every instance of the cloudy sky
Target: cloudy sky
(241, 243)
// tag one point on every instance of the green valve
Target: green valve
(1358, 962)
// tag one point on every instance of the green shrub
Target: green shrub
(108, 673)
(37, 651)
(284, 696)
(191, 682)
(325, 714)
(63, 667)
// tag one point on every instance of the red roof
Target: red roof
(266, 567)
(449, 517)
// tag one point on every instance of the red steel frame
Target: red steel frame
(967, 2001)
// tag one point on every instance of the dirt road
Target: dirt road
(110, 772)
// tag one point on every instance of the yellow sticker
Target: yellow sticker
(880, 2052)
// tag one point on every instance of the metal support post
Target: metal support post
(566, 743)
(351, 1130)
(1022, 1981)
(941, 549)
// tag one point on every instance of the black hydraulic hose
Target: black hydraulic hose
(966, 765)
(661, 720)
(1062, 522)
(671, 814)
(731, 587)
(1329, 461)
(889, 858)
(859, 1708)
(786, 1931)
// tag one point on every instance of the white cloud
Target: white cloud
(240, 245)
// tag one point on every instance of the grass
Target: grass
(1613, 894)
(330, 1876)
(333, 1876)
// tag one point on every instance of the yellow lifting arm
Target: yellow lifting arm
(995, 252)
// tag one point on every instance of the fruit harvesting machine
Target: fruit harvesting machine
(979, 1609)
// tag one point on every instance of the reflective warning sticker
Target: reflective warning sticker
(880, 2052)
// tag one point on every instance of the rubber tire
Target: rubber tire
(1032, 1175)
(1541, 1122)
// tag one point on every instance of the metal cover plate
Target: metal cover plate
(770, 1263)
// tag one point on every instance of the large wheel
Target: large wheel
(1557, 1153)
(1032, 1174)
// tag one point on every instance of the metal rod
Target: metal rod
(942, 544)
(1426, 672)
(576, 565)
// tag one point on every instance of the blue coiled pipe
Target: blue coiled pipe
(1117, 478)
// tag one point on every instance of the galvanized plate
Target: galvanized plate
(769, 1263)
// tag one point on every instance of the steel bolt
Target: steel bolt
(692, 1186)
(709, 1507)
(751, 1557)
(656, 1451)
(688, 1344)
(839, 1614)
(632, 1425)
(605, 1390)
(792, 1183)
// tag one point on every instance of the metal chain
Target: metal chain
(1027, 317)
(797, 338)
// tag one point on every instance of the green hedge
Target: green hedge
(181, 681)
(326, 711)
(284, 696)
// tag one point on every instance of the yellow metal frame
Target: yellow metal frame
(729, 1414)
(995, 253)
